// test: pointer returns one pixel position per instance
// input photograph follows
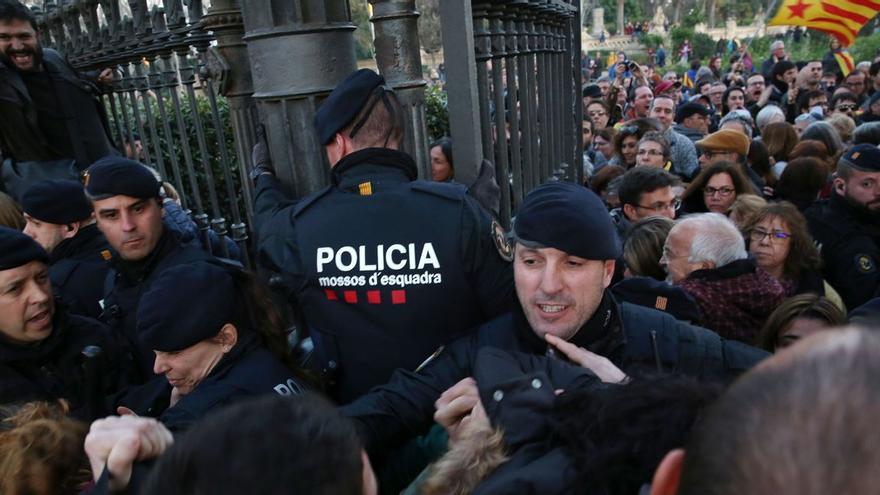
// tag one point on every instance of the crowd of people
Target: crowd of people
(627, 335)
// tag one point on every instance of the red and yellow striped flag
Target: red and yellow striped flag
(840, 18)
(845, 61)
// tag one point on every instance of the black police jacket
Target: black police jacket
(247, 371)
(78, 268)
(20, 135)
(630, 336)
(128, 281)
(850, 247)
(383, 268)
(52, 369)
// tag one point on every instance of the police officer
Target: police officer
(383, 267)
(565, 254)
(59, 217)
(40, 343)
(128, 210)
(212, 350)
(847, 226)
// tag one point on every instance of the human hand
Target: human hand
(455, 404)
(600, 365)
(116, 442)
(261, 161)
(106, 76)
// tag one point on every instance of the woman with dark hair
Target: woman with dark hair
(599, 113)
(802, 181)
(826, 134)
(627, 140)
(603, 141)
(780, 138)
(734, 98)
(602, 179)
(715, 189)
(759, 162)
(778, 238)
(442, 169)
(226, 346)
(798, 317)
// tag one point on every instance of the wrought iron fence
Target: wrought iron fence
(514, 91)
(513, 83)
(163, 95)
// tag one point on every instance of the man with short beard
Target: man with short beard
(50, 112)
(847, 226)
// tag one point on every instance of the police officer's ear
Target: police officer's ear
(70, 230)
(839, 184)
(668, 474)
(227, 337)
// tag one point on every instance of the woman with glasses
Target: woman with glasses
(653, 151)
(778, 238)
(597, 111)
(715, 189)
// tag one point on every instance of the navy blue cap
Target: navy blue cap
(185, 305)
(56, 201)
(17, 248)
(115, 175)
(345, 102)
(568, 217)
(868, 314)
(864, 157)
(690, 108)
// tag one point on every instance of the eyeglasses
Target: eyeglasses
(776, 236)
(846, 108)
(674, 205)
(723, 191)
(711, 154)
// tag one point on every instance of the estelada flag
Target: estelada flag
(840, 18)
(845, 61)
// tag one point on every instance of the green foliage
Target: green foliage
(812, 46)
(436, 112)
(174, 146)
(865, 47)
(632, 11)
(702, 46)
(363, 35)
(651, 40)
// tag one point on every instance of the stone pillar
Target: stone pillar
(298, 52)
(598, 22)
(396, 40)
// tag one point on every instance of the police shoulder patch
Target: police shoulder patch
(865, 263)
(505, 250)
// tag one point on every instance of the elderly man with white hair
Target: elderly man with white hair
(706, 256)
(769, 115)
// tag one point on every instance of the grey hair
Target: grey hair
(777, 44)
(603, 79)
(734, 116)
(825, 132)
(806, 117)
(717, 239)
(766, 115)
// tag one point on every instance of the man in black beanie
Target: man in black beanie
(128, 210)
(565, 252)
(40, 343)
(59, 217)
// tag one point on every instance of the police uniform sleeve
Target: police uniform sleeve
(404, 408)
(851, 268)
(487, 257)
(277, 250)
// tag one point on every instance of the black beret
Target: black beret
(345, 102)
(864, 157)
(656, 294)
(591, 91)
(568, 217)
(56, 201)
(690, 108)
(115, 175)
(169, 319)
(17, 248)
